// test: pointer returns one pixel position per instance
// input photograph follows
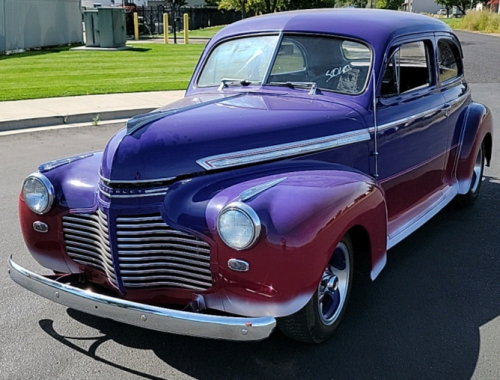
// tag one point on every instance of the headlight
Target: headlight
(238, 226)
(38, 193)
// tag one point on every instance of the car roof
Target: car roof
(375, 26)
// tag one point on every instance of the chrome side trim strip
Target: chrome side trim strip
(256, 190)
(419, 115)
(142, 315)
(405, 120)
(227, 160)
(414, 224)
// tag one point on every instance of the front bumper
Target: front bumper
(142, 315)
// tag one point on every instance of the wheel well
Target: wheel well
(362, 250)
(487, 148)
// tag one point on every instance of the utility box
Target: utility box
(91, 20)
(112, 29)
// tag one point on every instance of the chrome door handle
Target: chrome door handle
(446, 108)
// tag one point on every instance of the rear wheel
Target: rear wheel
(467, 200)
(319, 318)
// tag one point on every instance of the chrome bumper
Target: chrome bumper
(146, 316)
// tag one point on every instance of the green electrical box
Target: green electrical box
(91, 20)
(112, 28)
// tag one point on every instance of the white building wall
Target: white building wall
(423, 6)
(28, 24)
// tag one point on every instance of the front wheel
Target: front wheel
(467, 200)
(319, 318)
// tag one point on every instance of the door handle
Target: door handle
(446, 108)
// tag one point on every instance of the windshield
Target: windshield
(330, 63)
(245, 59)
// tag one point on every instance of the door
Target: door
(412, 133)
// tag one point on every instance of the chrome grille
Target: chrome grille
(152, 254)
(87, 241)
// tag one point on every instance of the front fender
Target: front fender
(477, 129)
(303, 219)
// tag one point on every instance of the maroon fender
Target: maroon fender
(303, 218)
(477, 130)
(75, 187)
(46, 248)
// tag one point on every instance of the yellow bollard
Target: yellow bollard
(165, 28)
(186, 28)
(136, 26)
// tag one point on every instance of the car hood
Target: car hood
(168, 143)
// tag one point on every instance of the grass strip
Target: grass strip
(204, 33)
(486, 22)
(59, 72)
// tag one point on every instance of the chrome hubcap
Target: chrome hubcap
(332, 290)
(477, 173)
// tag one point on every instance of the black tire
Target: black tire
(468, 200)
(320, 317)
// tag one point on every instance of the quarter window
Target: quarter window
(449, 61)
(408, 69)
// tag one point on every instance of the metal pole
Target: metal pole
(175, 23)
(165, 28)
(136, 26)
(186, 28)
(375, 126)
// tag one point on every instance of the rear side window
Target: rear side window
(450, 64)
(408, 69)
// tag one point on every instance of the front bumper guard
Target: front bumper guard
(142, 315)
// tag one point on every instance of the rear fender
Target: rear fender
(477, 130)
(303, 218)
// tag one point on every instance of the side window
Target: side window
(408, 69)
(290, 58)
(450, 65)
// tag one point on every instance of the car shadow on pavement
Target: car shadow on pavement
(420, 319)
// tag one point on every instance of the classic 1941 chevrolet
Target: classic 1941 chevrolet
(307, 144)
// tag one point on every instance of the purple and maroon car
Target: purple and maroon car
(307, 145)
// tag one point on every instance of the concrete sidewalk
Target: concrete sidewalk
(23, 114)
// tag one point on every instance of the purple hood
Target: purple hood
(211, 124)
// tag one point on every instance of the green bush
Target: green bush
(482, 21)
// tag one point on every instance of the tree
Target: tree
(238, 5)
(308, 4)
(390, 4)
(269, 6)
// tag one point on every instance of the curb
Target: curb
(10, 125)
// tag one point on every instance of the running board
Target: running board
(436, 203)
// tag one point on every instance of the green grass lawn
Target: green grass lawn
(204, 33)
(60, 72)
(454, 23)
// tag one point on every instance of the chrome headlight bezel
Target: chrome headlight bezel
(47, 185)
(247, 212)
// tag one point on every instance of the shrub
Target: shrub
(482, 21)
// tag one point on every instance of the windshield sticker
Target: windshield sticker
(337, 71)
(349, 83)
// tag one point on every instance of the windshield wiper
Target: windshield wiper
(313, 86)
(225, 82)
